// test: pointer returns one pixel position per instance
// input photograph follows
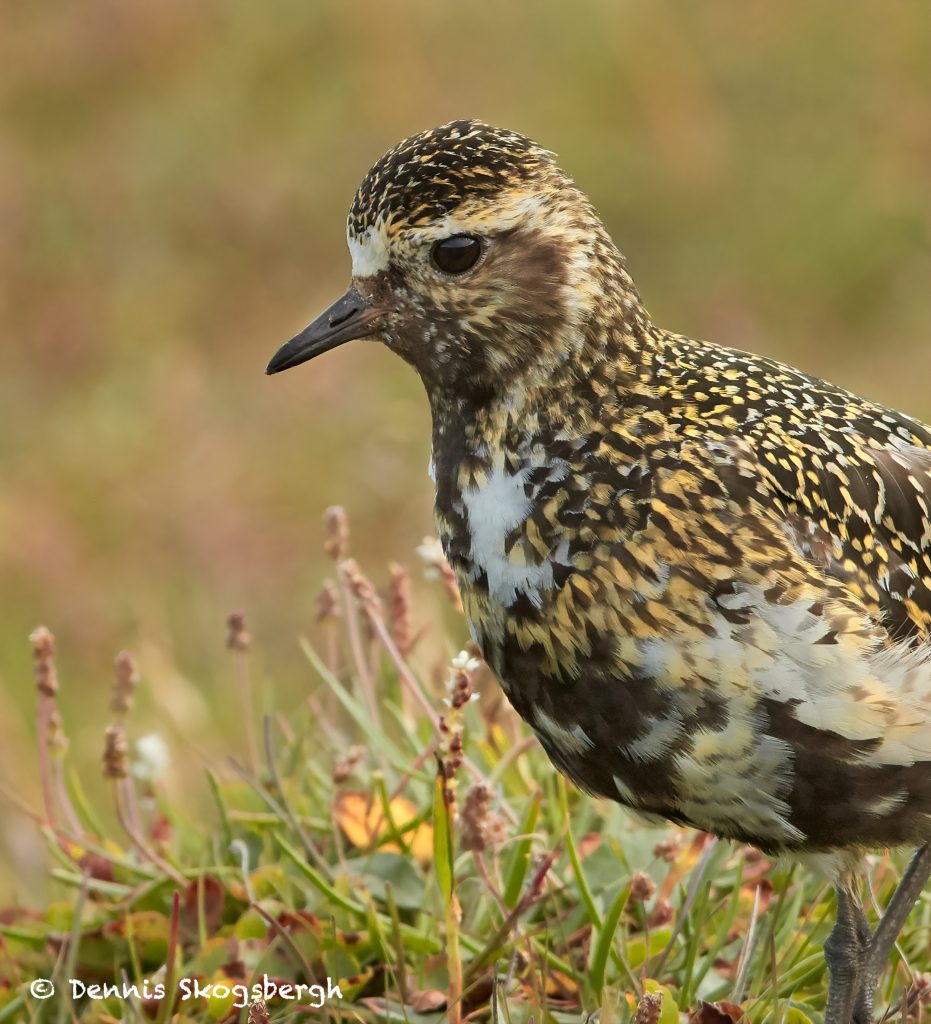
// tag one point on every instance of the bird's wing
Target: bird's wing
(788, 523)
(855, 498)
(850, 480)
(839, 714)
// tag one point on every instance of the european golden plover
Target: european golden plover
(701, 576)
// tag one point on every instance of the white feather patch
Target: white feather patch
(494, 510)
(369, 253)
(573, 739)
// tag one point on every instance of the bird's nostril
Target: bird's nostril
(340, 318)
(344, 310)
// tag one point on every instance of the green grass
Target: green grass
(403, 837)
(174, 183)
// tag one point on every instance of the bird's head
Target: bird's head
(476, 259)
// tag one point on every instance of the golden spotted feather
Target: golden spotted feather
(850, 480)
(701, 576)
(714, 607)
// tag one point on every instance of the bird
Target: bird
(701, 576)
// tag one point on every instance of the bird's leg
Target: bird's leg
(846, 951)
(903, 899)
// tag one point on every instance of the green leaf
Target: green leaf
(251, 925)
(669, 1014)
(381, 869)
(319, 882)
(604, 937)
(34, 939)
(519, 860)
(605, 873)
(148, 931)
(212, 955)
(637, 948)
(12, 1008)
(584, 890)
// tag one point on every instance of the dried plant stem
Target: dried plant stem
(132, 806)
(353, 628)
(454, 960)
(404, 673)
(238, 643)
(529, 897)
(46, 711)
(64, 801)
(306, 841)
(331, 651)
(244, 681)
(428, 754)
(490, 883)
(281, 809)
(327, 613)
(122, 800)
(746, 955)
(287, 938)
(45, 674)
(51, 733)
(510, 756)
(410, 681)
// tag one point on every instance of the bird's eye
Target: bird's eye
(456, 254)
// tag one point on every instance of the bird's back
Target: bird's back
(703, 578)
(847, 479)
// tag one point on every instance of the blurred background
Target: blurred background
(174, 179)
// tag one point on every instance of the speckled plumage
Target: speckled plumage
(728, 649)
(701, 576)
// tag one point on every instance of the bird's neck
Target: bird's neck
(610, 379)
(499, 461)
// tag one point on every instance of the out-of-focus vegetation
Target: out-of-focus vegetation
(405, 853)
(173, 184)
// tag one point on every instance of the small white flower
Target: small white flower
(152, 758)
(431, 551)
(465, 662)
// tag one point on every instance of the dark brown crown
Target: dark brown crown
(431, 173)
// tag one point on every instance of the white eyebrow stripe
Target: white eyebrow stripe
(369, 253)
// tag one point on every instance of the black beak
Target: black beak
(348, 318)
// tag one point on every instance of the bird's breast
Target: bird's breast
(511, 555)
(505, 521)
